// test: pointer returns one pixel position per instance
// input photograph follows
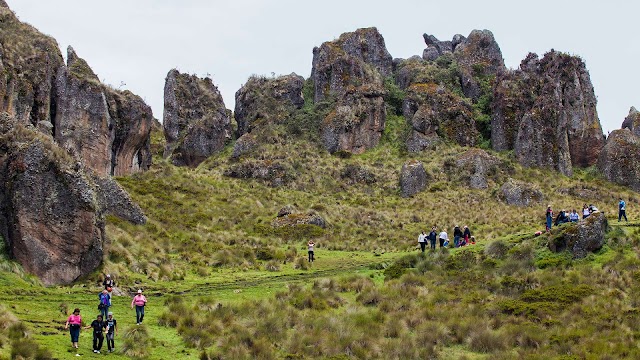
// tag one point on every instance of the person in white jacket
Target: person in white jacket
(443, 237)
(422, 240)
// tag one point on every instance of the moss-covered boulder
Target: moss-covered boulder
(519, 193)
(619, 161)
(196, 122)
(582, 237)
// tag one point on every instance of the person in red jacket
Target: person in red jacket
(139, 301)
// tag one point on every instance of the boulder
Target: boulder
(357, 174)
(632, 121)
(547, 112)
(519, 193)
(52, 211)
(582, 237)
(436, 48)
(349, 71)
(273, 173)
(413, 178)
(296, 218)
(286, 210)
(619, 161)
(266, 100)
(246, 144)
(196, 122)
(476, 165)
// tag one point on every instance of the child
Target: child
(98, 337)
(111, 332)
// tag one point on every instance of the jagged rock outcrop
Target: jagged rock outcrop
(413, 178)
(196, 122)
(477, 165)
(632, 121)
(350, 71)
(619, 160)
(266, 100)
(51, 210)
(480, 59)
(519, 193)
(582, 237)
(546, 111)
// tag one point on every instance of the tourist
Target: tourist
(585, 211)
(98, 326)
(443, 237)
(549, 215)
(466, 234)
(622, 210)
(108, 283)
(310, 247)
(561, 218)
(105, 303)
(139, 301)
(573, 216)
(74, 323)
(422, 240)
(433, 235)
(457, 234)
(112, 330)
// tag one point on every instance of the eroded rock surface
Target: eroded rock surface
(581, 238)
(619, 161)
(413, 178)
(519, 193)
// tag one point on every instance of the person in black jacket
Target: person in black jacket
(466, 235)
(98, 336)
(433, 236)
(457, 234)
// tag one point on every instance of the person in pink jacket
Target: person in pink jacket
(139, 301)
(74, 323)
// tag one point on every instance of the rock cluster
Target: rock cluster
(546, 112)
(289, 216)
(51, 209)
(478, 165)
(350, 72)
(519, 193)
(196, 122)
(413, 178)
(582, 237)
(274, 173)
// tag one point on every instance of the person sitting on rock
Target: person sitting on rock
(585, 211)
(561, 218)
(573, 216)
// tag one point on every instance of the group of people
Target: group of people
(104, 323)
(573, 216)
(460, 238)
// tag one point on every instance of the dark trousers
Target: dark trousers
(311, 257)
(423, 245)
(139, 314)
(98, 339)
(110, 341)
(74, 331)
(104, 311)
(441, 242)
(622, 213)
(433, 243)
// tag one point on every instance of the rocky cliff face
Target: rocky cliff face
(546, 111)
(196, 122)
(480, 60)
(52, 211)
(619, 160)
(632, 121)
(350, 71)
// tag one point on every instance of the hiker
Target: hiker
(443, 237)
(593, 208)
(561, 218)
(466, 234)
(112, 330)
(433, 235)
(457, 234)
(109, 283)
(573, 216)
(549, 215)
(105, 303)
(98, 326)
(473, 240)
(422, 240)
(74, 323)
(622, 210)
(310, 246)
(140, 302)
(585, 212)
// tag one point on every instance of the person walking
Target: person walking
(433, 236)
(422, 240)
(549, 214)
(310, 247)
(98, 326)
(105, 303)
(112, 330)
(443, 237)
(74, 323)
(457, 234)
(108, 283)
(139, 301)
(622, 210)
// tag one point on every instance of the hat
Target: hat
(108, 275)
(110, 313)
(139, 291)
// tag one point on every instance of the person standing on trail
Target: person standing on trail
(98, 326)
(622, 210)
(139, 301)
(457, 234)
(443, 237)
(549, 215)
(466, 235)
(108, 283)
(74, 323)
(111, 332)
(422, 240)
(433, 235)
(310, 246)
(105, 303)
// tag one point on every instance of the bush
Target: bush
(136, 342)
(497, 249)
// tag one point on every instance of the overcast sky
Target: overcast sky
(136, 42)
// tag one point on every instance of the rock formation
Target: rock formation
(480, 59)
(518, 193)
(350, 71)
(619, 160)
(196, 122)
(413, 178)
(262, 99)
(289, 216)
(273, 172)
(632, 121)
(51, 210)
(582, 237)
(546, 111)
(477, 165)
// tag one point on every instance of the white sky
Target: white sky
(137, 42)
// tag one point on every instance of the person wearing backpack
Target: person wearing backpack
(139, 301)
(111, 332)
(105, 303)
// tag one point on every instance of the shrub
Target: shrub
(136, 342)
(496, 250)
(486, 341)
